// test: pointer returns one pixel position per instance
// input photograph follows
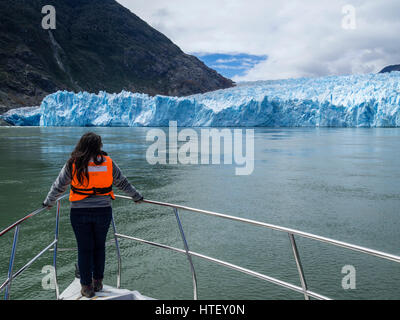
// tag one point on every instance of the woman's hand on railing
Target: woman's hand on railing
(48, 207)
(139, 200)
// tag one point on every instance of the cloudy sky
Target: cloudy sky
(276, 39)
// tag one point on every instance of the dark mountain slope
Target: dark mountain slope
(395, 67)
(97, 45)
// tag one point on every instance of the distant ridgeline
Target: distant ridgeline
(395, 67)
(97, 45)
(370, 100)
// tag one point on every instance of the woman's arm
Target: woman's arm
(122, 183)
(59, 186)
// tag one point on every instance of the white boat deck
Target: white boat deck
(73, 292)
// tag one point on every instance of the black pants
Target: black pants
(90, 226)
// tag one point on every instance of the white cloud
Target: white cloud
(222, 66)
(301, 38)
(226, 60)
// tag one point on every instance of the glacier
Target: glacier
(26, 116)
(368, 100)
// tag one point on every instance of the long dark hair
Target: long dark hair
(87, 149)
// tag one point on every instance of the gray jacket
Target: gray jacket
(64, 180)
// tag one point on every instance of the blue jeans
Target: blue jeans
(90, 226)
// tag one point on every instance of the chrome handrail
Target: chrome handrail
(11, 264)
(7, 284)
(18, 222)
(189, 257)
(291, 232)
(343, 244)
(299, 266)
(118, 252)
(231, 266)
(55, 249)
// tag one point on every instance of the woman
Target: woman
(91, 174)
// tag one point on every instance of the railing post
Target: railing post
(299, 266)
(55, 249)
(187, 254)
(11, 264)
(118, 252)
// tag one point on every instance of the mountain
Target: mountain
(395, 67)
(368, 100)
(98, 45)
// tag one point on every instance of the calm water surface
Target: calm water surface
(338, 183)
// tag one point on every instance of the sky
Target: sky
(249, 40)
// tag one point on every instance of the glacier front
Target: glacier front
(370, 100)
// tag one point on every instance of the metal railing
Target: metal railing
(303, 289)
(11, 275)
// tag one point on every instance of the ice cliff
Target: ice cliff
(370, 100)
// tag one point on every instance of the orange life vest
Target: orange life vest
(100, 181)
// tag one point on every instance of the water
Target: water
(338, 183)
